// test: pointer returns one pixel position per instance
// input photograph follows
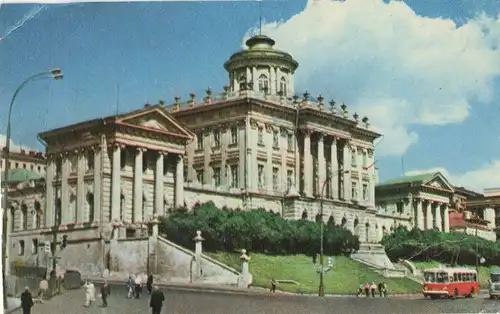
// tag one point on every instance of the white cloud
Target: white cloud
(14, 147)
(485, 176)
(386, 62)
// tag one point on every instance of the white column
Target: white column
(97, 151)
(179, 182)
(159, 209)
(138, 193)
(437, 220)
(80, 188)
(278, 80)
(419, 215)
(236, 84)
(255, 81)
(446, 218)
(290, 87)
(308, 170)
(335, 169)
(115, 183)
(321, 164)
(249, 75)
(371, 178)
(347, 175)
(65, 217)
(49, 192)
(272, 77)
(428, 215)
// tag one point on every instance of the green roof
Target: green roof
(21, 175)
(410, 179)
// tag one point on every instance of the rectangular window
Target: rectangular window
(90, 160)
(199, 140)
(399, 207)
(260, 138)
(216, 138)
(289, 179)
(354, 191)
(234, 176)
(217, 176)
(365, 192)
(275, 178)
(354, 161)
(199, 176)
(289, 140)
(276, 143)
(261, 176)
(234, 135)
(21, 248)
(34, 246)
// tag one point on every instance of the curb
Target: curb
(231, 290)
(12, 310)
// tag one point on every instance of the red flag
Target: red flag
(371, 165)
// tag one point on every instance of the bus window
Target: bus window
(451, 279)
(466, 277)
(441, 277)
(455, 277)
(459, 277)
(475, 277)
(430, 277)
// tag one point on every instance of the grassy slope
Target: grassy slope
(483, 271)
(345, 277)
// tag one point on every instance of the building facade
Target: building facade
(30, 160)
(420, 201)
(255, 145)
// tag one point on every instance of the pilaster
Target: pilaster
(419, 214)
(347, 175)
(138, 193)
(97, 151)
(179, 182)
(308, 170)
(159, 181)
(65, 215)
(115, 182)
(334, 169)
(428, 215)
(322, 164)
(438, 223)
(80, 187)
(49, 192)
(446, 218)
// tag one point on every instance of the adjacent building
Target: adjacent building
(254, 145)
(419, 201)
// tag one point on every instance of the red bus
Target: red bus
(450, 283)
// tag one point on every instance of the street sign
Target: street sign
(47, 247)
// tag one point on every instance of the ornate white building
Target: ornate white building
(255, 145)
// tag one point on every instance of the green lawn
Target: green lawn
(345, 277)
(484, 272)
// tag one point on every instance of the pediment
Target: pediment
(156, 119)
(439, 181)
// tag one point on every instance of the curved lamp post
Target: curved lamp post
(322, 270)
(55, 74)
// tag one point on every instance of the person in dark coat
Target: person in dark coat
(104, 294)
(149, 283)
(156, 301)
(26, 301)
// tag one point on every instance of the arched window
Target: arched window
(344, 222)
(283, 86)
(90, 204)
(304, 215)
(263, 83)
(122, 208)
(38, 214)
(243, 82)
(24, 213)
(331, 221)
(58, 212)
(318, 218)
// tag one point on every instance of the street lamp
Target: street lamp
(55, 74)
(322, 270)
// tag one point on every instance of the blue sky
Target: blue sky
(158, 50)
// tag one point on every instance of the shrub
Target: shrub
(256, 231)
(449, 248)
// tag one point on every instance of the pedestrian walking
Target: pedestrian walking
(130, 287)
(138, 286)
(26, 301)
(42, 290)
(373, 288)
(156, 301)
(89, 291)
(367, 289)
(360, 290)
(384, 289)
(104, 294)
(149, 283)
(273, 285)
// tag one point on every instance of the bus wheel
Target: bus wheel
(455, 293)
(434, 297)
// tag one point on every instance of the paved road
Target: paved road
(193, 302)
